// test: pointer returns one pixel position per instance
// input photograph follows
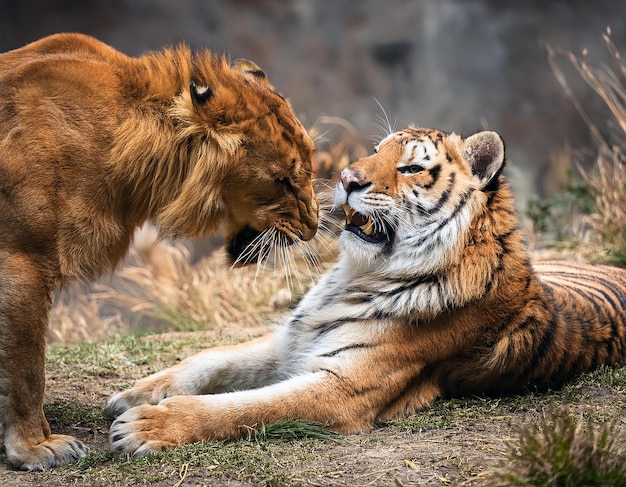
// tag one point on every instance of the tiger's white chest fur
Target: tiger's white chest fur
(406, 229)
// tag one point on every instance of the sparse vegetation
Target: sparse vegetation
(562, 450)
(587, 219)
(291, 429)
(456, 442)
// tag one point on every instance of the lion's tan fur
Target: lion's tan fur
(94, 143)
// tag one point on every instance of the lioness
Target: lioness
(93, 144)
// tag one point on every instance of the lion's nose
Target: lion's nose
(309, 220)
(308, 233)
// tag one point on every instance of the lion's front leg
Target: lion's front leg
(25, 296)
(246, 366)
(315, 396)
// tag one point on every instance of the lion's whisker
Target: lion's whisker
(311, 258)
(281, 257)
(266, 247)
(291, 264)
(294, 267)
(273, 242)
(328, 223)
(247, 253)
(324, 241)
(260, 246)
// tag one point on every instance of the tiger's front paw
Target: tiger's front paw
(144, 429)
(151, 390)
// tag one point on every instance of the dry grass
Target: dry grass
(595, 213)
(608, 188)
(561, 449)
(160, 287)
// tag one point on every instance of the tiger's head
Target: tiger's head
(413, 201)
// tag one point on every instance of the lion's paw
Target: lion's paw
(55, 450)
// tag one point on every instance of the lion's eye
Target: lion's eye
(285, 183)
(412, 169)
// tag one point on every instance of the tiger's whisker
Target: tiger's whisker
(384, 119)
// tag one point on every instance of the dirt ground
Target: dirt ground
(459, 442)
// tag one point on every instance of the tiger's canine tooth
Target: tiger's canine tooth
(368, 228)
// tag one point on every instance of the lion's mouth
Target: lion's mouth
(364, 227)
(250, 246)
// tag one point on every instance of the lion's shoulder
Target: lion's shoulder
(65, 45)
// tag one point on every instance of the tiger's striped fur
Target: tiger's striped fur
(433, 295)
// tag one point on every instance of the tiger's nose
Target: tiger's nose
(352, 179)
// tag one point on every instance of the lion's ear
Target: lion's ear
(250, 68)
(485, 152)
(199, 95)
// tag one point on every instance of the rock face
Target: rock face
(452, 64)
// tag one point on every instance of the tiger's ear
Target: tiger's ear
(485, 152)
(249, 68)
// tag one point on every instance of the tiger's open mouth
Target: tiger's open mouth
(363, 226)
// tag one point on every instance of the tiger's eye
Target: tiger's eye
(412, 169)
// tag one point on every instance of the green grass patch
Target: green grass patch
(121, 354)
(273, 455)
(613, 377)
(64, 413)
(291, 452)
(459, 412)
(608, 382)
(292, 430)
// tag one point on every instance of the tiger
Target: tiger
(93, 144)
(433, 296)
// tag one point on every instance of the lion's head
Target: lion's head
(251, 161)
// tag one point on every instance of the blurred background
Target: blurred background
(547, 75)
(456, 65)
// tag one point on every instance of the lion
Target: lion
(93, 144)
